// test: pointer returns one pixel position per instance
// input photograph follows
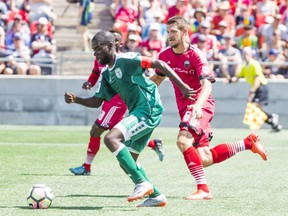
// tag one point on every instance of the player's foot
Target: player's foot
(159, 201)
(141, 189)
(276, 127)
(200, 195)
(81, 170)
(159, 148)
(256, 146)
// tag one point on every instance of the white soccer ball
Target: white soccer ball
(40, 197)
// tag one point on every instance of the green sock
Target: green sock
(156, 191)
(127, 162)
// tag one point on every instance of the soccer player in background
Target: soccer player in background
(112, 112)
(252, 71)
(123, 75)
(195, 131)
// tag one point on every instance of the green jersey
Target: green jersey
(126, 78)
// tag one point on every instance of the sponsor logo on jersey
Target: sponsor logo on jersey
(186, 64)
(168, 62)
(118, 73)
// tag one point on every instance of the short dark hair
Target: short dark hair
(181, 22)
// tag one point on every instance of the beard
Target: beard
(105, 60)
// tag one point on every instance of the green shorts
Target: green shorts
(137, 129)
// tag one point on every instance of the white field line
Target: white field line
(80, 144)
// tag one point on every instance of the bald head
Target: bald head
(103, 38)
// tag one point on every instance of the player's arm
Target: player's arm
(93, 78)
(157, 79)
(167, 71)
(92, 102)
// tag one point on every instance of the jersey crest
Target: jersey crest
(186, 64)
(118, 73)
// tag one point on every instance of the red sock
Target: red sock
(195, 166)
(224, 151)
(151, 144)
(93, 148)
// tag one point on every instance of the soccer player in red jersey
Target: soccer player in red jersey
(112, 112)
(195, 130)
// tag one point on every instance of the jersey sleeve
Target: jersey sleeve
(95, 74)
(103, 89)
(136, 61)
(157, 71)
(202, 66)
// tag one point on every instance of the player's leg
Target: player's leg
(157, 145)
(155, 199)
(224, 151)
(92, 150)
(114, 142)
(194, 164)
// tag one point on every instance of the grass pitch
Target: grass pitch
(242, 185)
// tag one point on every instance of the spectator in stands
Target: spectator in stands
(199, 15)
(20, 57)
(202, 41)
(148, 16)
(179, 9)
(85, 17)
(133, 29)
(43, 47)
(248, 38)
(228, 54)
(211, 40)
(276, 70)
(154, 43)
(158, 19)
(21, 27)
(220, 33)
(2, 38)
(126, 13)
(268, 31)
(266, 7)
(132, 44)
(244, 17)
(41, 8)
(223, 14)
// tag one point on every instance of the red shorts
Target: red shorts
(112, 112)
(199, 128)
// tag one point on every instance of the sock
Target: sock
(156, 191)
(127, 162)
(151, 144)
(224, 151)
(93, 148)
(195, 166)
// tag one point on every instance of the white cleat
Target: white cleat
(141, 189)
(159, 201)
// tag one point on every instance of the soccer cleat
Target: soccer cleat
(159, 201)
(200, 195)
(81, 170)
(277, 128)
(141, 189)
(256, 146)
(159, 148)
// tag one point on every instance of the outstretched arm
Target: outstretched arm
(92, 102)
(168, 71)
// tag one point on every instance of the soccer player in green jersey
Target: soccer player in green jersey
(124, 75)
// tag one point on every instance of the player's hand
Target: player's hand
(70, 97)
(196, 110)
(87, 85)
(189, 93)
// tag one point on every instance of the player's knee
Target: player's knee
(96, 131)
(182, 145)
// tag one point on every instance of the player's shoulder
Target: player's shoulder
(127, 55)
(165, 53)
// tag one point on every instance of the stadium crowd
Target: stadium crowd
(219, 28)
(26, 37)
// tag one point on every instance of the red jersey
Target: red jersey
(191, 66)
